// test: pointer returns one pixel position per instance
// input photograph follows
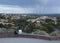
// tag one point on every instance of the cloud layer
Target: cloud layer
(35, 6)
(30, 6)
(15, 9)
(21, 10)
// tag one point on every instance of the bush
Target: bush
(41, 32)
(3, 30)
(1, 25)
(55, 34)
(30, 28)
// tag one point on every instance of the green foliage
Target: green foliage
(58, 23)
(2, 16)
(47, 25)
(30, 28)
(41, 32)
(55, 34)
(1, 25)
(50, 28)
(58, 19)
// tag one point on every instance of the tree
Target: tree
(1, 25)
(48, 26)
(2, 16)
(58, 23)
(49, 21)
(9, 19)
(30, 28)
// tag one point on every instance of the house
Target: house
(3, 20)
(15, 17)
(31, 20)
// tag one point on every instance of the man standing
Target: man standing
(19, 29)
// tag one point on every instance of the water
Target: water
(25, 40)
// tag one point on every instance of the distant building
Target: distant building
(31, 20)
(15, 17)
(3, 20)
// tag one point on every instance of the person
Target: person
(15, 32)
(19, 31)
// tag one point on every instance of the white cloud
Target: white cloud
(21, 10)
(37, 8)
(15, 9)
(52, 10)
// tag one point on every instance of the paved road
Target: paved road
(25, 40)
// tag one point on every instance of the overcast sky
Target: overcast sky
(30, 6)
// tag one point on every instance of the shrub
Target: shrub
(55, 34)
(40, 32)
